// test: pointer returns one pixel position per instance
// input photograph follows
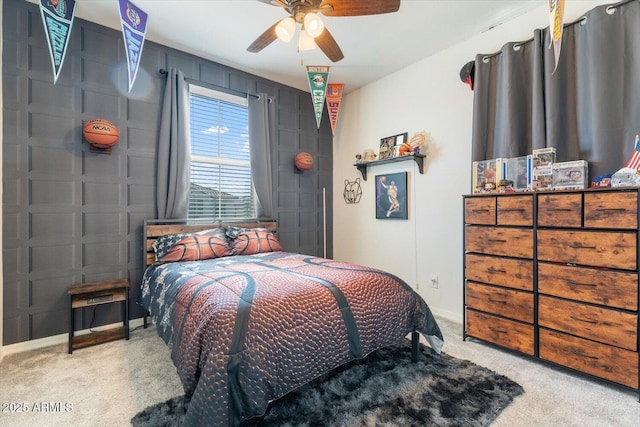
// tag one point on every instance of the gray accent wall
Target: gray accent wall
(72, 216)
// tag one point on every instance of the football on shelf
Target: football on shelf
(304, 161)
(100, 133)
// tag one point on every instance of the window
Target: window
(221, 185)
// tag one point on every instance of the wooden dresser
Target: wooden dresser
(554, 275)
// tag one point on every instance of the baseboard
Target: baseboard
(58, 339)
(448, 315)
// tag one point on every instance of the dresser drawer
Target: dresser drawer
(611, 210)
(480, 210)
(611, 363)
(604, 287)
(514, 242)
(511, 273)
(506, 333)
(599, 324)
(516, 305)
(595, 248)
(560, 210)
(515, 210)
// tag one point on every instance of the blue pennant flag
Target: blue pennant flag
(57, 17)
(134, 30)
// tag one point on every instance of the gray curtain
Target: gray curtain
(593, 98)
(261, 114)
(174, 150)
(588, 109)
(508, 103)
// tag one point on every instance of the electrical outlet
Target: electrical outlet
(434, 281)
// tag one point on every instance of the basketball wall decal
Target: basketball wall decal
(100, 133)
(304, 161)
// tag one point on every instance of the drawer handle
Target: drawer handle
(497, 301)
(579, 246)
(611, 209)
(590, 285)
(577, 319)
(497, 240)
(479, 210)
(512, 210)
(558, 210)
(581, 354)
(496, 270)
(499, 331)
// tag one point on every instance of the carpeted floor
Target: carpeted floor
(386, 388)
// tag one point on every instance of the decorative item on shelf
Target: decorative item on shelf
(352, 191)
(418, 142)
(629, 175)
(389, 145)
(626, 177)
(303, 161)
(572, 175)
(391, 196)
(487, 174)
(358, 158)
(101, 135)
(368, 155)
(601, 181)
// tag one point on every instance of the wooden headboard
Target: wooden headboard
(156, 228)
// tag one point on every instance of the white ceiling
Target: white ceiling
(373, 46)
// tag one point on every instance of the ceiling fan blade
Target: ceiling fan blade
(264, 40)
(329, 46)
(358, 7)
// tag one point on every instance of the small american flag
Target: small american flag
(634, 159)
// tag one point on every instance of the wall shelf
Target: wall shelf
(418, 158)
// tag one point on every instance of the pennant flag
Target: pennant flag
(318, 78)
(334, 97)
(556, 19)
(57, 17)
(134, 30)
(634, 158)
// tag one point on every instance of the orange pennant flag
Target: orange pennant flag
(334, 97)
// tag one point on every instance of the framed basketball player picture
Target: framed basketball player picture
(391, 196)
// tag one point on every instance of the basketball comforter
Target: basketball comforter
(245, 330)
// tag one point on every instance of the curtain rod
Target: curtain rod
(216, 87)
(582, 20)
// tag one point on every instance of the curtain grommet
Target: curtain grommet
(611, 10)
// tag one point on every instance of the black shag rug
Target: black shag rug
(384, 389)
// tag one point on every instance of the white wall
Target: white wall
(425, 96)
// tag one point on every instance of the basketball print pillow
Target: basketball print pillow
(256, 241)
(198, 247)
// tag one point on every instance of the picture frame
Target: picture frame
(389, 145)
(391, 196)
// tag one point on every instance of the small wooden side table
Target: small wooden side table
(97, 293)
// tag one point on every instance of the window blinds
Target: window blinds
(221, 185)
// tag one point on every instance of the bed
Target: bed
(248, 322)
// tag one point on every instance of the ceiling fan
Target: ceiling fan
(313, 31)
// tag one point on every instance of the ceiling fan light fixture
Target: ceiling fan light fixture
(305, 42)
(313, 24)
(285, 29)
